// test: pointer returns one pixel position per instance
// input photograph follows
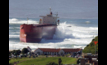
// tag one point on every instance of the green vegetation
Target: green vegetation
(43, 60)
(90, 48)
(25, 51)
(15, 52)
(12, 60)
(18, 52)
(67, 55)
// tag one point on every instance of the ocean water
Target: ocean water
(78, 22)
(71, 33)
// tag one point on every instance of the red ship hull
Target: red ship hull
(35, 32)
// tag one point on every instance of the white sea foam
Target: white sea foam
(65, 37)
(87, 22)
(13, 33)
(16, 21)
(14, 36)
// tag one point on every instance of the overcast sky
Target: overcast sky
(75, 9)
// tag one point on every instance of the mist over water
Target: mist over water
(71, 33)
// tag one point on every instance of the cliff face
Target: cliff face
(90, 48)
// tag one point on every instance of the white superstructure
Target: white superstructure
(49, 19)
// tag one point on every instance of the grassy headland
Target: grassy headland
(90, 48)
(43, 60)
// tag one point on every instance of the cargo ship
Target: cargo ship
(36, 32)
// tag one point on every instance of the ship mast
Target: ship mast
(50, 9)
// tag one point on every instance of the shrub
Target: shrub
(25, 51)
(68, 55)
(15, 52)
(78, 61)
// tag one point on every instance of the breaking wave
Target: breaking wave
(67, 36)
(16, 21)
(87, 22)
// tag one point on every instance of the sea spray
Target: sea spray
(68, 35)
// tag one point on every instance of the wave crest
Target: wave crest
(17, 21)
